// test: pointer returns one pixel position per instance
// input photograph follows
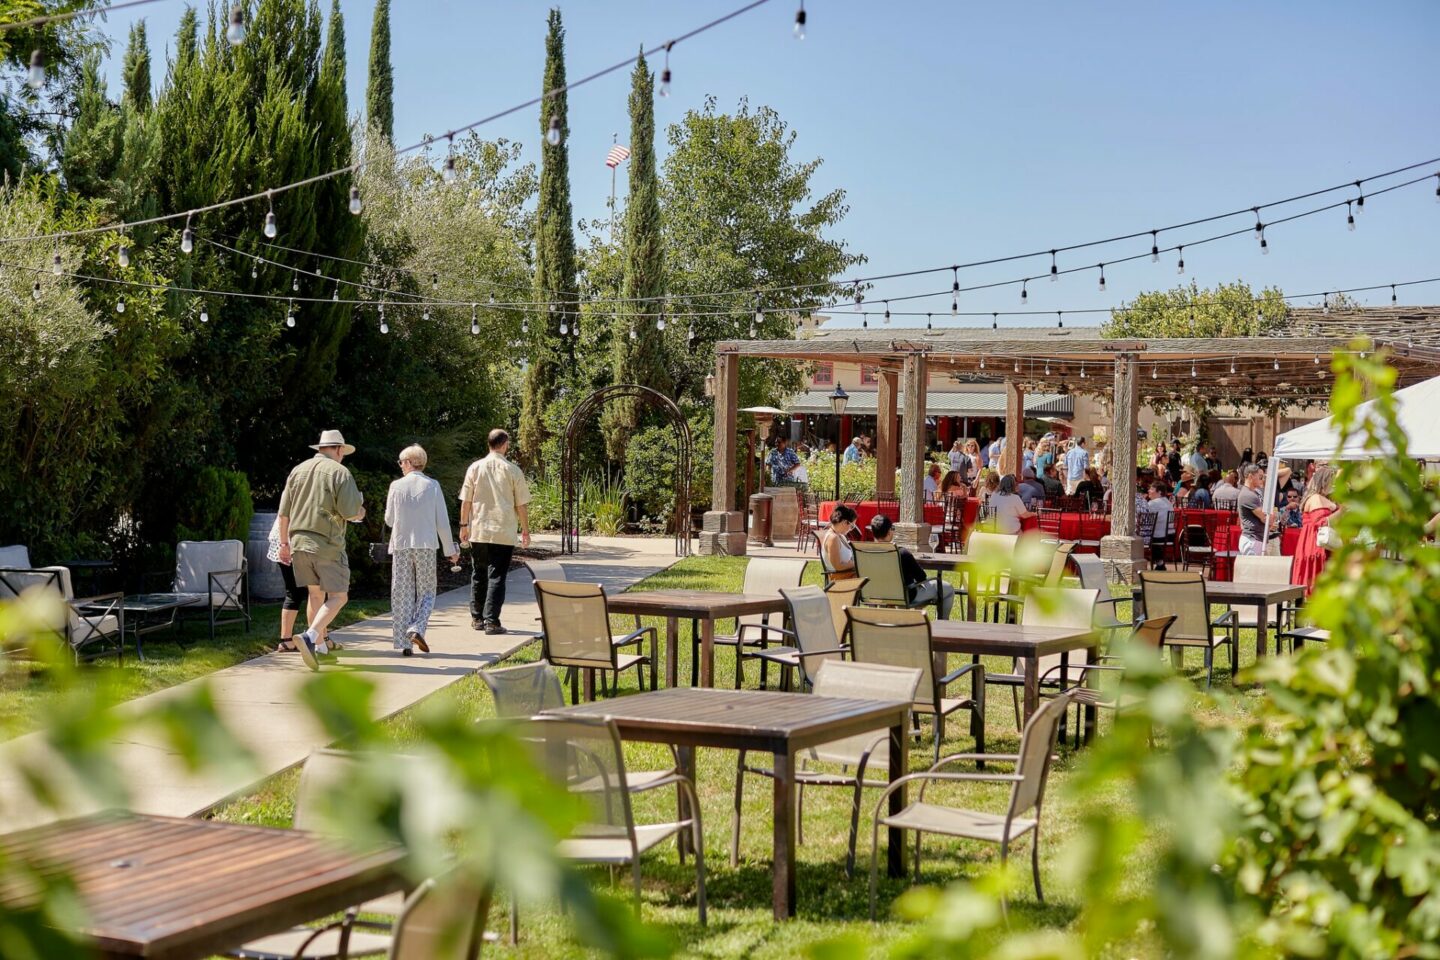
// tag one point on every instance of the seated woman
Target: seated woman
(1090, 488)
(953, 485)
(837, 557)
(1007, 508)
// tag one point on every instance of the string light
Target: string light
(759, 309)
(425, 314)
(660, 321)
(859, 298)
(887, 311)
(665, 73)
(1154, 247)
(36, 76)
(290, 314)
(1232, 366)
(270, 227)
(1277, 363)
(1264, 244)
(1325, 308)
(690, 333)
(1054, 270)
(800, 22)
(120, 305)
(474, 322)
(204, 315)
(1392, 294)
(1047, 368)
(1024, 292)
(1180, 266)
(187, 238)
(982, 363)
(56, 267)
(928, 324)
(633, 334)
(1360, 200)
(295, 283)
(1193, 372)
(1437, 188)
(1259, 225)
(553, 136)
(994, 321)
(255, 273)
(235, 33)
(1317, 359)
(564, 327)
(1349, 217)
(955, 293)
(1154, 372)
(1082, 370)
(448, 173)
(335, 295)
(1102, 278)
(35, 290)
(1060, 319)
(123, 254)
(1017, 366)
(865, 321)
(355, 205)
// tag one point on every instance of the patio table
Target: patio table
(782, 724)
(698, 605)
(941, 563)
(162, 887)
(1258, 595)
(146, 613)
(1025, 643)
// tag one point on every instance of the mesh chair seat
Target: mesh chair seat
(617, 849)
(951, 821)
(324, 946)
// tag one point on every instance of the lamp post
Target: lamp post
(838, 399)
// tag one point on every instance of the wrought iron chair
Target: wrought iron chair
(855, 755)
(213, 575)
(952, 532)
(1091, 572)
(1021, 816)
(575, 621)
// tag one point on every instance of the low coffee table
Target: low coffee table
(149, 612)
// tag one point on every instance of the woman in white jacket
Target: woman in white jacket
(419, 523)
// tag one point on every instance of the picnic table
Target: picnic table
(782, 724)
(1258, 595)
(173, 889)
(701, 606)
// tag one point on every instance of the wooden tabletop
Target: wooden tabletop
(170, 888)
(1227, 591)
(1008, 639)
(695, 604)
(740, 719)
(945, 561)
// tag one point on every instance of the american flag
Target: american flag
(616, 156)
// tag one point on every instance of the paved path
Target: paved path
(257, 699)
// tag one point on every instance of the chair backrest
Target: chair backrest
(896, 637)
(195, 560)
(1145, 525)
(1049, 520)
(1262, 569)
(1058, 607)
(862, 681)
(323, 771)
(814, 625)
(1001, 546)
(1037, 743)
(584, 755)
(767, 575)
(15, 556)
(575, 620)
(525, 690)
(1178, 593)
(1091, 570)
(443, 919)
(1151, 631)
(1058, 560)
(842, 594)
(879, 563)
(14, 582)
(544, 569)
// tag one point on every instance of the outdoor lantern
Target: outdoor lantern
(838, 400)
(709, 384)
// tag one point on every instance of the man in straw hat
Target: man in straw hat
(320, 497)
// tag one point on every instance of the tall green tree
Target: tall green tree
(555, 261)
(638, 346)
(93, 142)
(136, 70)
(380, 92)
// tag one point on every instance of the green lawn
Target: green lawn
(26, 688)
(829, 904)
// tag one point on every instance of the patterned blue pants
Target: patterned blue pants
(412, 593)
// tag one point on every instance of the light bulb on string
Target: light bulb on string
(660, 321)
(120, 305)
(36, 77)
(1437, 188)
(1277, 363)
(492, 300)
(1060, 319)
(689, 333)
(982, 363)
(1082, 370)
(759, 310)
(254, 272)
(425, 314)
(1154, 247)
(887, 311)
(1102, 278)
(928, 324)
(187, 238)
(204, 315)
(1047, 368)
(235, 33)
(1232, 366)
(954, 292)
(290, 314)
(864, 321)
(564, 327)
(448, 173)
(665, 73)
(1392, 294)
(1017, 366)
(1360, 200)
(1054, 270)
(335, 295)
(1325, 308)
(56, 267)
(1154, 372)
(1259, 225)
(525, 325)
(1264, 244)
(1180, 266)
(553, 135)
(1193, 372)
(295, 284)
(355, 205)
(384, 327)
(1317, 359)
(994, 321)
(800, 22)
(123, 254)
(271, 228)
(474, 322)
(1349, 217)
(1024, 292)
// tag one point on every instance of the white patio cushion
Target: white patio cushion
(975, 824)
(83, 630)
(196, 559)
(15, 556)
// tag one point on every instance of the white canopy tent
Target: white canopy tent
(1417, 408)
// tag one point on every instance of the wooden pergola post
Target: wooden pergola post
(722, 529)
(912, 530)
(1122, 551)
(1012, 456)
(887, 424)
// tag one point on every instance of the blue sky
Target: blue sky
(963, 131)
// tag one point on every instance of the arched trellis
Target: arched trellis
(570, 471)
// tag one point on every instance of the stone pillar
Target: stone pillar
(1012, 456)
(722, 529)
(912, 530)
(1122, 551)
(887, 425)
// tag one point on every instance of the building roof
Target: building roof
(948, 403)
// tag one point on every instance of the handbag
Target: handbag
(1328, 538)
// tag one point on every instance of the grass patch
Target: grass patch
(829, 903)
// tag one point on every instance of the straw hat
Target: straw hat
(333, 438)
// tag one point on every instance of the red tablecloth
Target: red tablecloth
(865, 511)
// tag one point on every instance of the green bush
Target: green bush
(857, 480)
(650, 460)
(217, 506)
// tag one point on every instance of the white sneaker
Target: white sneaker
(321, 649)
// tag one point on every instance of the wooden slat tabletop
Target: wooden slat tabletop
(742, 719)
(697, 604)
(945, 561)
(171, 888)
(1228, 591)
(1008, 639)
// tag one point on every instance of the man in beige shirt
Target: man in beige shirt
(494, 501)
(320, 497)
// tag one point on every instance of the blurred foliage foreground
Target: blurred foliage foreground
(1311, 830)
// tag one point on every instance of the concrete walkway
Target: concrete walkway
(258, 699)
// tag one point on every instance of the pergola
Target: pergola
(1249, 371)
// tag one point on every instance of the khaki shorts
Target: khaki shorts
(333, 576)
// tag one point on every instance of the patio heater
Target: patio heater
(838, 399)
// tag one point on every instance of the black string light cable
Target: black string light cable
(270, 193)
(73, 14)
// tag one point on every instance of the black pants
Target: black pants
(490, 564)
(296, 597)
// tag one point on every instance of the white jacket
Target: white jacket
(416, 514)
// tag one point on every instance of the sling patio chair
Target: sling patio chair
(584, 755)
(545, 569)
(88, 625)
(879, 565)
(813, 631)
(1264, 570)
(1050, 607)
(1040, 564)
(901, 638)
(854, 755)
(1091, 572)
(575, 628)
(840, 595)
(1147, 633)
(1022, 813)
(762, 575)
(1181, 594)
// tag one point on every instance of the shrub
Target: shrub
(217, 506)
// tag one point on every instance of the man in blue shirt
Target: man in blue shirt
(852, 452)
(782, 461)
(1077, 459)
(997, 446)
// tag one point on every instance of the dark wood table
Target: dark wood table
(781, 724)
(1258, 595)
(942, 562)
(1025, 643)
(175, 889)
(699, 605)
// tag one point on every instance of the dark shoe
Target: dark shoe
(419, 641)
(476, 623)
(493, 628)
(407, 652)
(306, 649)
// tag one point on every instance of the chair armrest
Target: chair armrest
(763, 628)
(1081, 669)
(820, 653)
(1225, 619)
(1112, 599)
(928, 777)
(949, 678)
(1004, 757)
(632, 636)
(97, 600)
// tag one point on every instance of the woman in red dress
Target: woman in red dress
(1316, 511)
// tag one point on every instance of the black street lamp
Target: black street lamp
(838, 399)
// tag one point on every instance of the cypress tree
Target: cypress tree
(92, 144)
(136, 70)
(555, 269)
(380, 94)
(642, 359)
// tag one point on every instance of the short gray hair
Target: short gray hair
(416, 455)
(1249, 470)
